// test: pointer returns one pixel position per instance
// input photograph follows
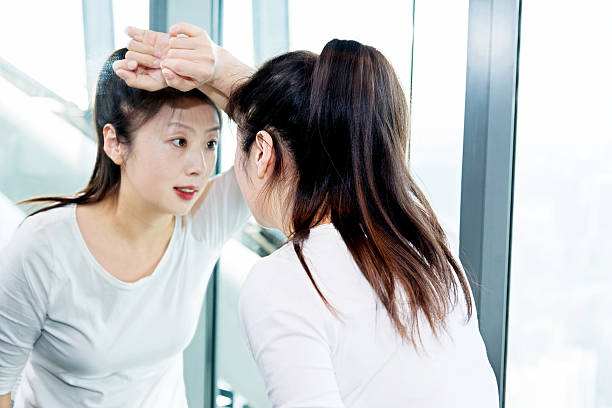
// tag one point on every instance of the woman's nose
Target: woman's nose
(197, 162)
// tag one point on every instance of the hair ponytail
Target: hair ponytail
(349, 148)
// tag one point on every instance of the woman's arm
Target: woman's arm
(5, 400)
(27, 277)
(194, 59)
(185, 59)
(229, 72)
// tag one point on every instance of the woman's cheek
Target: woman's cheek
(211, 162)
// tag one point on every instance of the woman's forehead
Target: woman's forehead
(196, 116)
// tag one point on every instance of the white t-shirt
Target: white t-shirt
(87, 339)
(310, 358)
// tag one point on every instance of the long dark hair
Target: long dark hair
(126, 109)
(343, 120)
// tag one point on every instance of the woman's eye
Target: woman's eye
(212, 144)
(179, 142)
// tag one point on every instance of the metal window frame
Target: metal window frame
(488, 167)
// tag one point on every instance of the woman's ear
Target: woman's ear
(265, 156)
(112, 147)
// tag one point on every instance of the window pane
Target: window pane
(133, 13)
(48, 143)
(238, 39)
(560, 336)
(438, 78)
(438, 102)
(386, 25)
(238, 380)
(51, 49)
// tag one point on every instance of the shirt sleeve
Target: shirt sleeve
(24, 264)
(288, 331)
(223, 212)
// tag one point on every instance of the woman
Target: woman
(365, 306)
(100, 292)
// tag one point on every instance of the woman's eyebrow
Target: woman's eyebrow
(179, 124)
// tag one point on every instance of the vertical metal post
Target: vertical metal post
(488, 166)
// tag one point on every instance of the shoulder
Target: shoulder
(279, 270)
(218, 187)
(279, 282)
(28, 264)
(43, 226)
(221, 211)
(31, 248)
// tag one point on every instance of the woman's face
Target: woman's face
(172, 157)
(246, 175)
(253, 172)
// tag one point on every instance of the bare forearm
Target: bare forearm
(5, 400)
(230, 71)
(218, 97)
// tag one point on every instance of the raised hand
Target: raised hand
(139, 76)
(183, 59)
(190, 60)
(141, 66)
(147, 47)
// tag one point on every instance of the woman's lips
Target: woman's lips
(186, 193)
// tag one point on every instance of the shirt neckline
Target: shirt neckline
(107, 275)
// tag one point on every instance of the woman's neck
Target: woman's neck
(135, 220)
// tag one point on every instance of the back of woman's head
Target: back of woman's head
(341, 119)
(126, 109)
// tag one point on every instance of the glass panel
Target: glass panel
(559, 335)
(133, 13)
(238, 39)
(436, 145)
(55, 94)
(388, 27)
(438, 102)
(438, 78)
(238, 381)
(47, 145)
(51, 51)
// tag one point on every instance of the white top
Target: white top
(87, 339)
(310, 358)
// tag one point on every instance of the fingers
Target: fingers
(135, 33)
(141, 47)
(128, 76)
(185, 28)
(180, 54)
(144, 60)
(140, 81)
(177, 81)
(124, 64)
(142, 78)
(203, 72)
(186, 43)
